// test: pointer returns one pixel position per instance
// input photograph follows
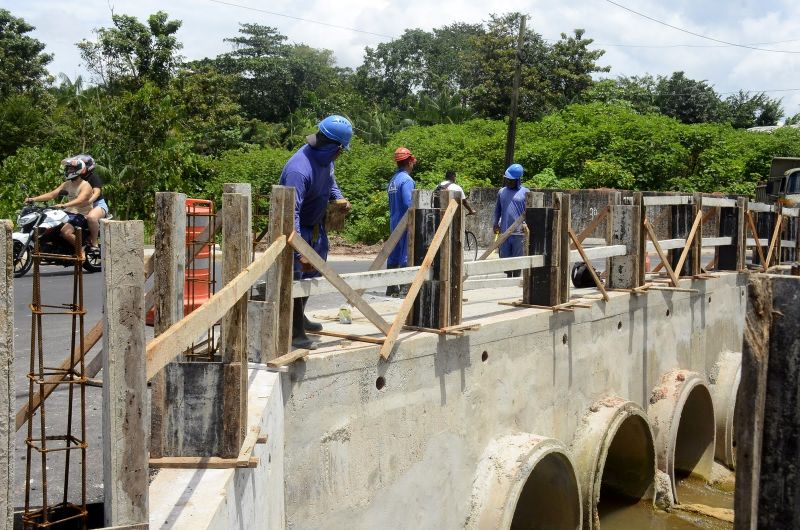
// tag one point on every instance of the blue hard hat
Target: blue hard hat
(514, 172)
(337, 128)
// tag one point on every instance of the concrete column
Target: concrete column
(731, 224)
(125, 448)
(565, 222)
(625, 225)
(545, 240)
(6, 375)
(169, 272)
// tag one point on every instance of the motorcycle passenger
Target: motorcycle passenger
(79, 195)
(99, 205)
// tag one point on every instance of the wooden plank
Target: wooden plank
(592, 226)
(125, 443)
(7, 397)
(689, 239)
(492, 283)
(588, 262)
(553, 308)
(446, 258)
(427, 262)
(387, 247)
(456, 280)
(719, 202)
(276, 318)
(502, 238)
(754, 233)
(773, 239)
(667, 244)
(289, 358)
(608, 251)
(479, 268)
(305, 250)
(248, 445)
(760, 207)
(238, 245)
(563, 269)
(717, 241)
(180, 335)
(348, 336)
(667, 200)
(201, 462)
(440, 331)
(360, 281)
(660, 252)
(676, 289)
(468, 326)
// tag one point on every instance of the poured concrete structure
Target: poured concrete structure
(370, 444)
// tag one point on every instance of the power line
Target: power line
(603, 44)
(737, 45)
(302, 19)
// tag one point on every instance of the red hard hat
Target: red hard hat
(402, 153)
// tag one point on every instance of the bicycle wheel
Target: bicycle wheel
(470, 246)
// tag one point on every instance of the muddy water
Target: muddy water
(621, 514)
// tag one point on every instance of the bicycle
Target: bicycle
(470, 248)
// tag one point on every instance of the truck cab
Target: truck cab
(784, 181)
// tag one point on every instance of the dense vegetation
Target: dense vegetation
(156, 122)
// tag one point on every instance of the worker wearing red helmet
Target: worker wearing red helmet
(400, 187)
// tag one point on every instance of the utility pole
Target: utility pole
(511, 135)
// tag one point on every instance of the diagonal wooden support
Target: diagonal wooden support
(180, 335)
(416, 285)
(388, 247)
(649, 228)
(590, 228)
(502, 238)
(775, 237)
(754, 232)
(305, 250)
(588, 263)
(692, 233)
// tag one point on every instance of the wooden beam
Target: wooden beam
(592, 226)
(180, 335)
(775, 237)
(387, 247)
(502, 238)
(305, 250)
(697, 223)
(125, 443)
(289, 358)
(201, 462)
(413, 291)
(649, 228)
(7, 397)
(753, 231)
(348, 336)
(588, 262)
(441, 331)
(276, 319)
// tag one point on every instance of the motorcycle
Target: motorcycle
(47, 222)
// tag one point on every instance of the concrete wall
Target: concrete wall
(406, 455)
(186, 499)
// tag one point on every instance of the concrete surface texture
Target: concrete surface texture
(6, 374)
(374, 444)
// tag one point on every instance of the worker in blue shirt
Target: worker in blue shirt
(310, 172)
(510, 205)
(400, 187)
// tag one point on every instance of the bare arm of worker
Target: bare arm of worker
(49, 196)
(95, 194)
(84, 194)
(468, 206)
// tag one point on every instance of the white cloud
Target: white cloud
(62, 23)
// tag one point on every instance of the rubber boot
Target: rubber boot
(392, 290)
(299, 338)
(308, 325)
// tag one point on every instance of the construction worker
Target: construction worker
(400, 187)
(510, 205)
(449, 184)
(310, 172)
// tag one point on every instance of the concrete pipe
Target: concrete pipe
(724, 389)
(682, 415)
(614, 451)
(525, 482)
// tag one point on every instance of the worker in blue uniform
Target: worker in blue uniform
(311, 172)
(510, 205)
(400, 187)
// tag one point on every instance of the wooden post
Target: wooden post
(416, 200)
(545, 239)
(638, 204)
(445, 258)
(624, 228)
(732, 224)
(696, 254)
(276, 323)
(125, 450)
(6, 376)
(451, 264)
(169, 263)
(564, 272)
(237, 245)
(741, 233)
(681, 223)
(428, 307)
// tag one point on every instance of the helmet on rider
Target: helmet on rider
(73, 167)
(336, 129)
(88, 160)
(402, 153)
(514, 172)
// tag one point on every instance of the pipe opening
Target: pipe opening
(629, 469)
(695, 437)
(550, 498)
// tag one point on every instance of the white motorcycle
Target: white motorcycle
(48, 223)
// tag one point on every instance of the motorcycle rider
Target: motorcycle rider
(79, 195)
(99, 205)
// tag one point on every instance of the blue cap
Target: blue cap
(514, 172)
(336, 128)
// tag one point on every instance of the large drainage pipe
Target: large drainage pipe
(614, 451)
(525, 482)
(682, 415)
(725, 378)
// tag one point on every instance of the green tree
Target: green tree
(572, 66)
(133, 53)
(23, 63)
(744, 109)
(687, 100)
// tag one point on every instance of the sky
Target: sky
(634, 44)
